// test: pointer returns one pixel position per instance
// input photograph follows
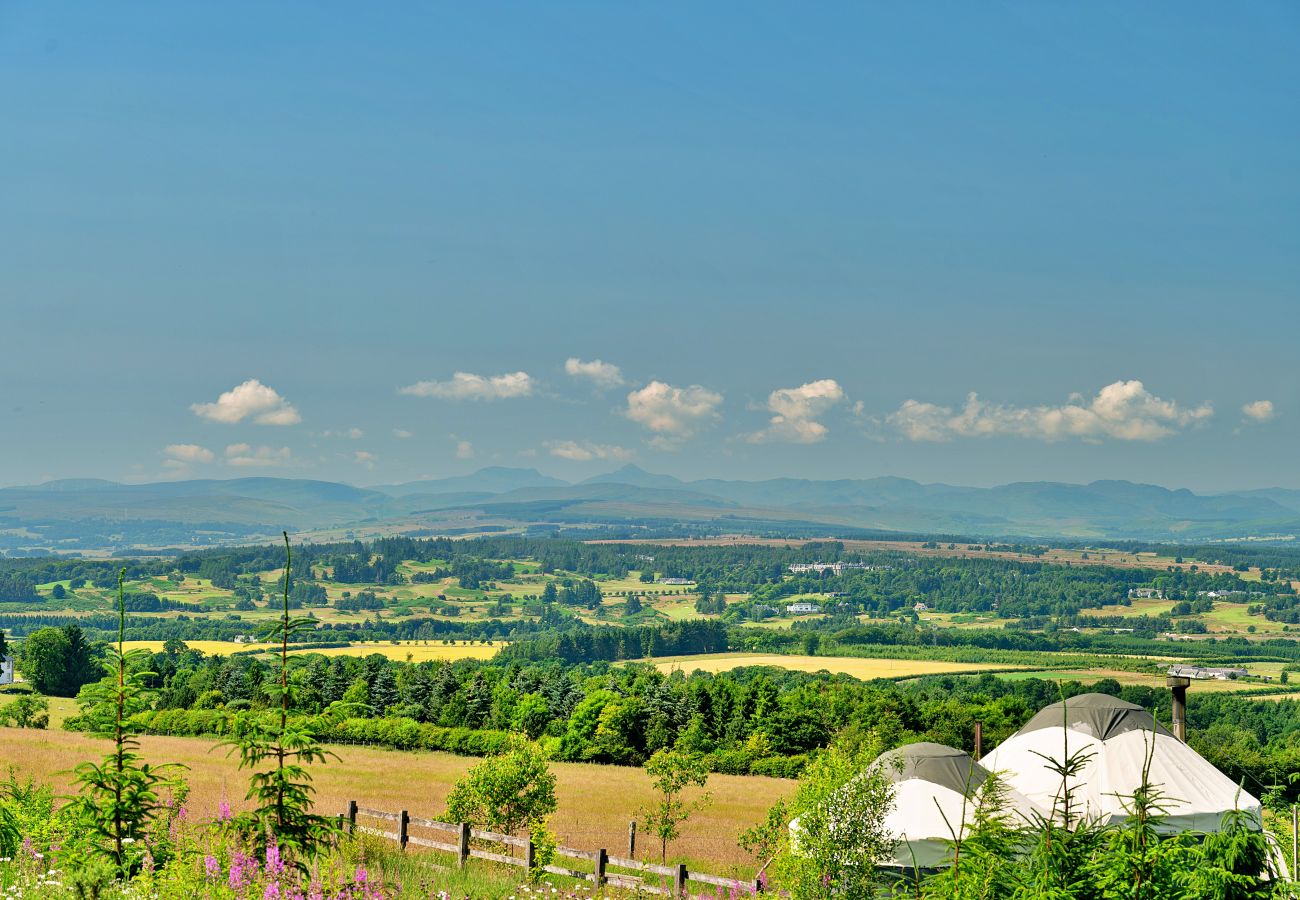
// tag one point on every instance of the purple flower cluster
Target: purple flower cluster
(243, 870)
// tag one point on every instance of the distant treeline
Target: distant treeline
(588, 644)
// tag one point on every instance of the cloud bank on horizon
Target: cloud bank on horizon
(672, 417)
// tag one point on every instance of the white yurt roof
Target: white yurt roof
(1119, 736)
(936, 792)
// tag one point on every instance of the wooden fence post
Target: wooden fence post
(679, 881)
(631, 839)
(403, 828)
(463, 851)
(602, 861)
(352, 817)
(530, 855)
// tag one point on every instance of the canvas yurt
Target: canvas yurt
(1119, 736)
(936, 789)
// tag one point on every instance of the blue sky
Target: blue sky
(801, 236)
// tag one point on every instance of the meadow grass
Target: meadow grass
(596, 802)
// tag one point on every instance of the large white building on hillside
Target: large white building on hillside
(836, 568)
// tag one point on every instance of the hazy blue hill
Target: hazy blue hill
(111, 514)
(799, 492)
(272, 502)
(73, 484)
(1289, 499)
(612, 492)
(637, 477)
(490, 480)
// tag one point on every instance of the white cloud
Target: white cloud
(1259, 411)
(796, 411)
(464, 450)
(246, 455)
(1124, 410)
(250, 399)
(187, 453)
(673, 413)
(599, 372)
(402, 434)
(585, 451)
(365, 458)
(467, 386)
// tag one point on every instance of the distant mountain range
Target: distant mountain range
(88, 514)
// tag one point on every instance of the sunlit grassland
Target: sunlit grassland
(858, 667)
(211, 648)
(595, 802)
(1225, 617)
(414, 651)
(956, 620)
(1233, 617)
(1156, 679)
(1146, 607)
(59, 708)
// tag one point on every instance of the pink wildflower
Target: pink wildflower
(223, 811)
(274, 865)
(243, 869)
(212, 867)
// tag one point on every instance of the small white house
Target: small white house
(920, 607)
(673, 581)
(802, 608)
(7, 670)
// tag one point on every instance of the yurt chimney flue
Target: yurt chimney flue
(979, 739)
(1178, 688)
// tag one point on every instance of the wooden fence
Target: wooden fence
(458, 839)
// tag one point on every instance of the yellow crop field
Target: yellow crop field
(418, 651)
(857, 667)
(415, 651)
(212, 648)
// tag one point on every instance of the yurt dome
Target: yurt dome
(1119, 737)
(936, 792)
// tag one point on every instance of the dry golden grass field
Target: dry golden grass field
(857, 667)
(1157, 680)
(416, 651)
(595, 802)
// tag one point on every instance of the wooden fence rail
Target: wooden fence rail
(654, 878)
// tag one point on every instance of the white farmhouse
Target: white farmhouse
(803, 607)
